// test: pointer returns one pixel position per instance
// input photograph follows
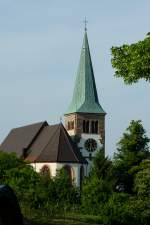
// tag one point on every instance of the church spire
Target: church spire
(85, 98)
(85, 24)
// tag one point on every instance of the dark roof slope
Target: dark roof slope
(21, 138)
(54, 145)
(42, 143)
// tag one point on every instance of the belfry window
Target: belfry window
(94, 127)
(83, 126)
(86, 126)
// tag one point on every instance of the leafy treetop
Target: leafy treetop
(132, 150)
(132, 62)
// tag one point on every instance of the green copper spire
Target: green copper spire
(85, 98)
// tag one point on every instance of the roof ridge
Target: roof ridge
(28, 125)
(43, 124)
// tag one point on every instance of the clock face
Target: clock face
(90, 145)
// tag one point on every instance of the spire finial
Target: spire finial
(85, 24)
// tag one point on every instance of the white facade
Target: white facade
(54, 167)
(85, 153)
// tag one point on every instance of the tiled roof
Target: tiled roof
(21, 138)
(43, 143)
(55, 145)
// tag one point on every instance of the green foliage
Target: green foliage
(102, 166)
(7, 162)
(132, 149)
(133, 140)
(132, 62)
(99, 186)
(95, 192)
(117, 192)
(124, 209)
(115, 210)
(39, 195)
(66, 193)
(142, 180)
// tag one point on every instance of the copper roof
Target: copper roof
(85, 98)
(43, 143)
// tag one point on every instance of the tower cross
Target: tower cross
(85, 24)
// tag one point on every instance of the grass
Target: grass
(64, 222)
(68, 220)
(38, 217)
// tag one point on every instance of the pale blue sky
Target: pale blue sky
(40, 43)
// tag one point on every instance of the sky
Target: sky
(40, 44)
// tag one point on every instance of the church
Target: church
(73, 145)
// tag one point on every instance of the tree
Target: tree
(132, 150)
(142, 192)
(142, 180)
(99, 186)
(7, 162)
(101, 165)
(66, 193)
(132, 62)
(27, 185)
(116, 211)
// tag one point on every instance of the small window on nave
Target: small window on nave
(45, 171)
(70, 125)
(70, 173)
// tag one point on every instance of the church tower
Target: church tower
(85, 118)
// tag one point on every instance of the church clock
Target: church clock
(90, 145)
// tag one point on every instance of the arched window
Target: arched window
(87, 127)
(96, 127)
(70, 125)
(45, 171)
(70, 172)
